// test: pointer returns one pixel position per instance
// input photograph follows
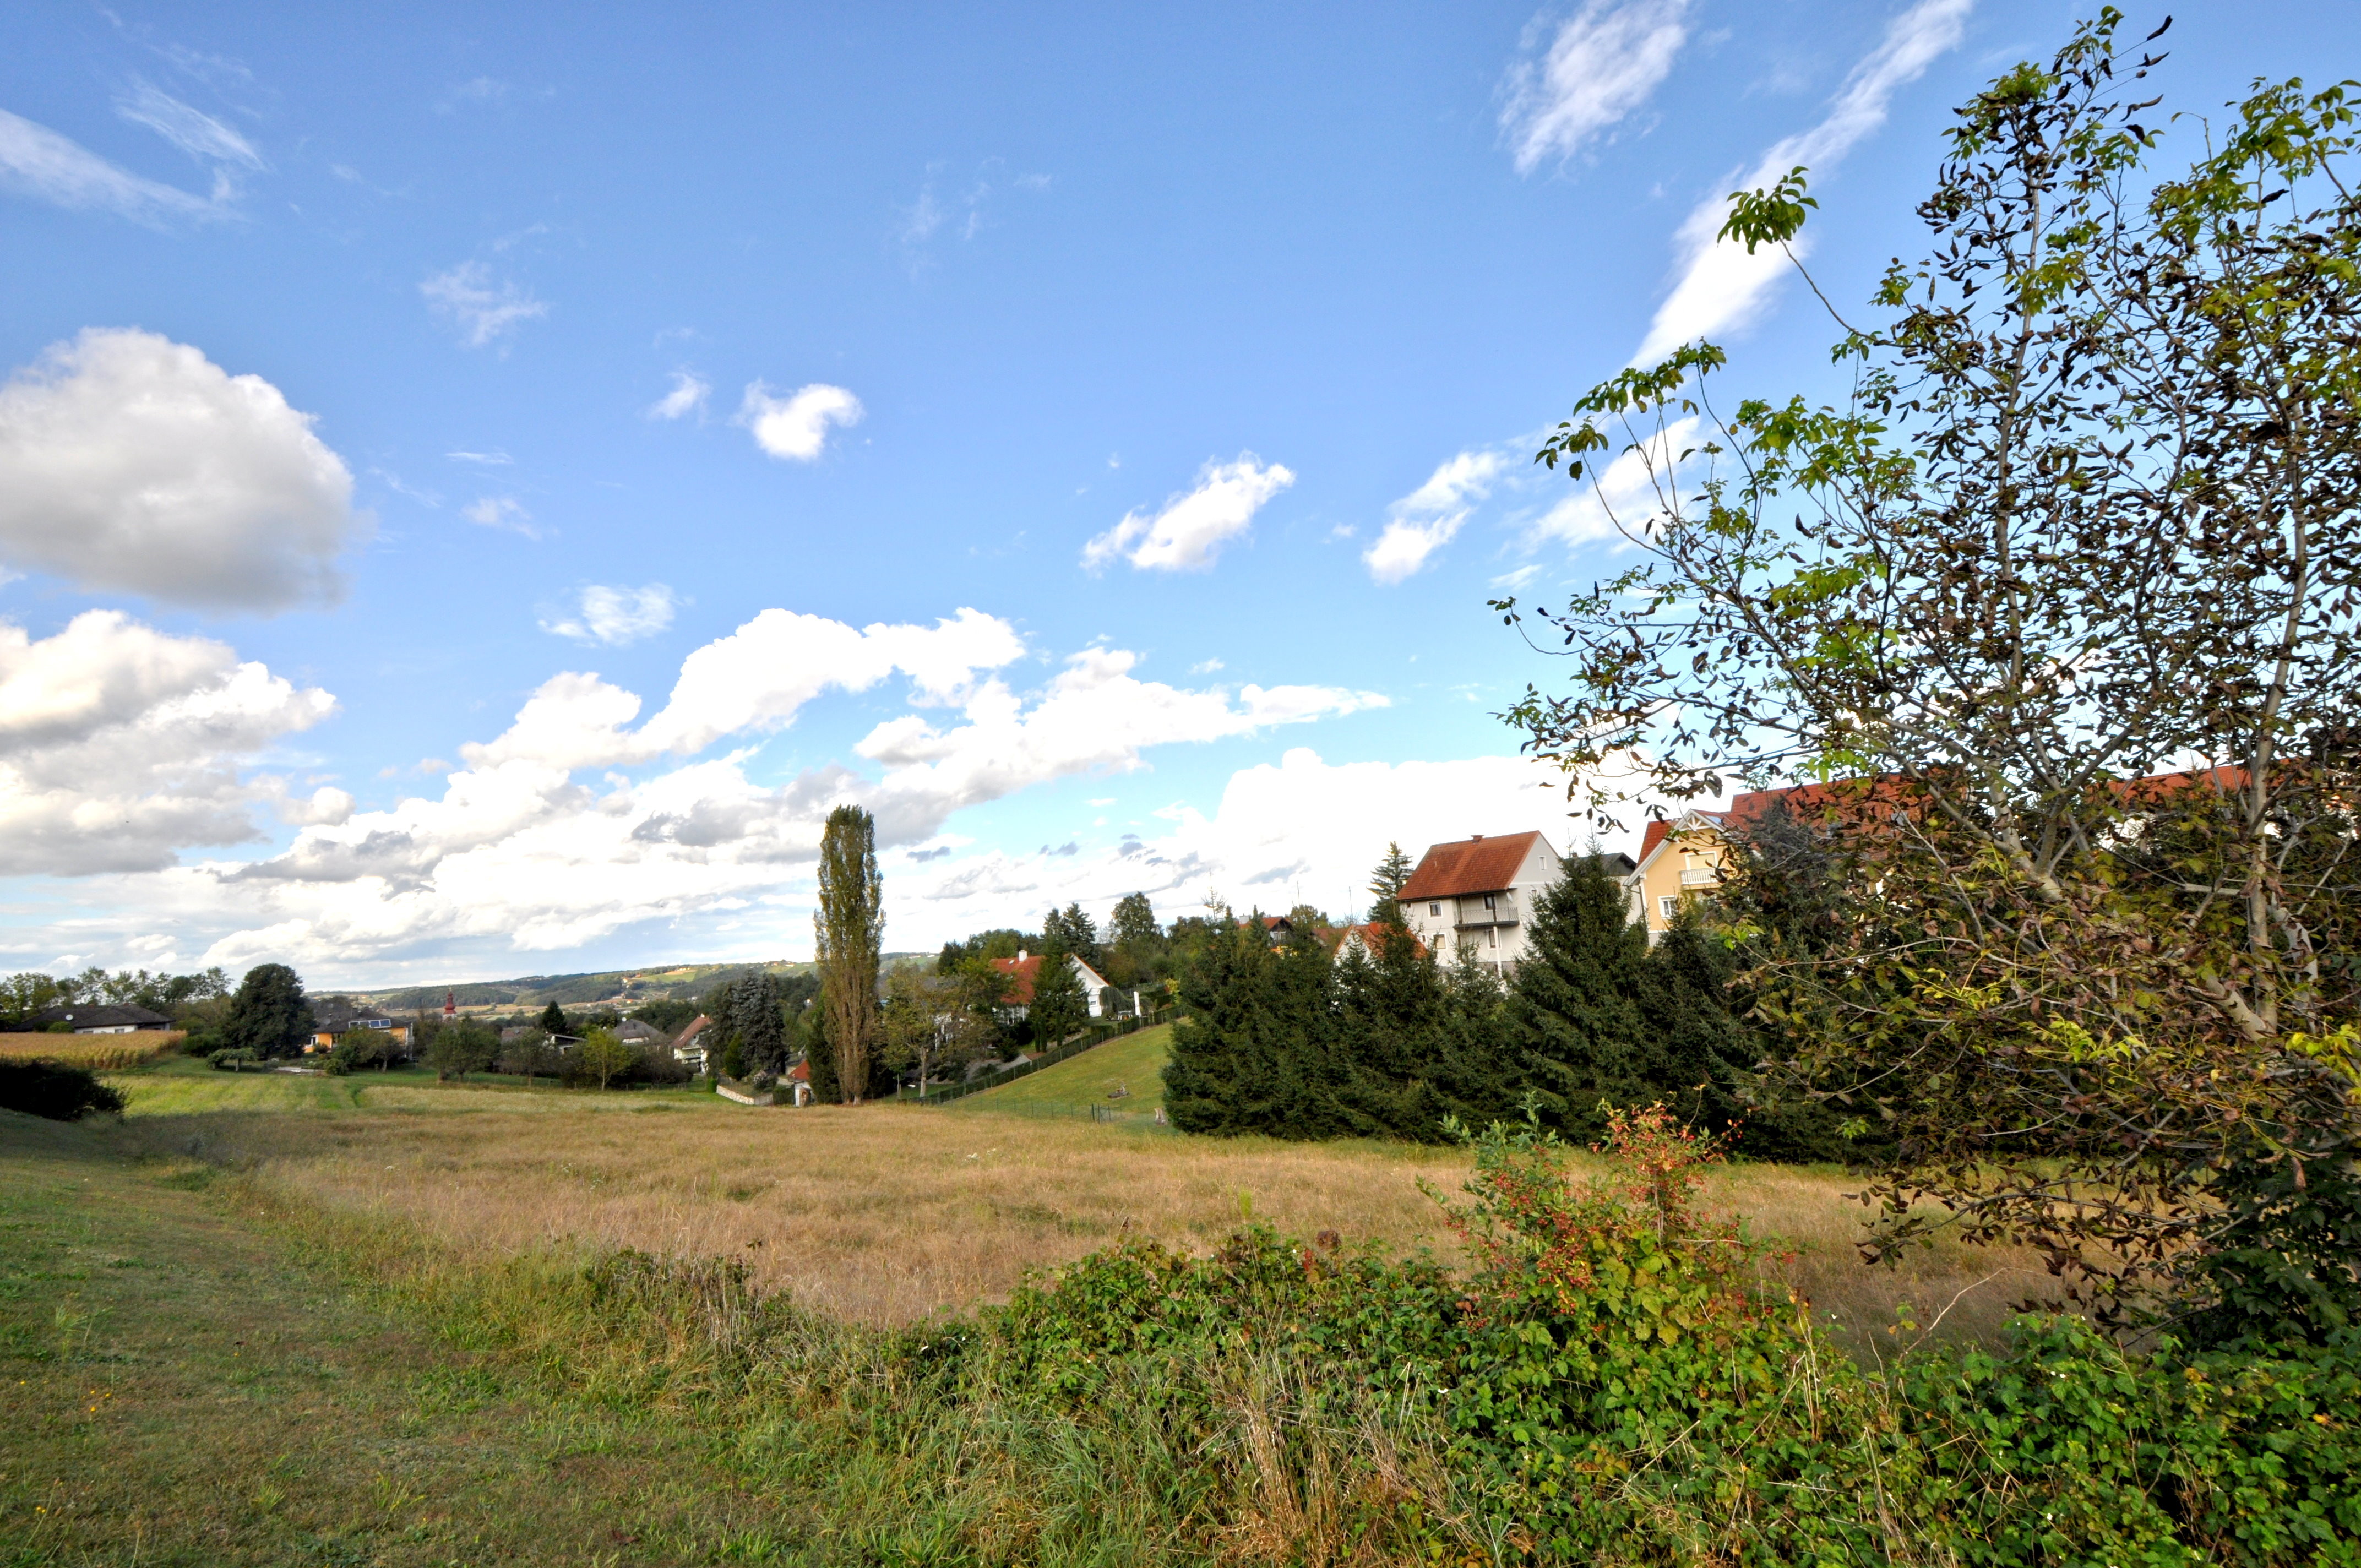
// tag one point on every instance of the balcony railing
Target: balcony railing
(1502, 913)
(1709, 877)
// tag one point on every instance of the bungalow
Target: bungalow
(102, 1018)
(336, 1016)
(1021, 970)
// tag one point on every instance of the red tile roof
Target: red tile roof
(1660, 828)
(1373, 937)
(1469, 866)
(1021, 972)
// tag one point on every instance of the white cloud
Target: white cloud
(1431, 516)
(119, 745)
(483, 308)
(503, 512)
(37, 161)
(687, 397)
(1720, 286)
(795, 427)
(131, 463)
(1190, 531)
(1601, 63)
(191, 130)
(514, 853)
(617, 615)
(493, 459)
(1299, 829)
(755, 680)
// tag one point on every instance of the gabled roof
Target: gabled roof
(1662, 828)
(1022, 971)
(102, 1015)
(1469, 866)
(1371, 936)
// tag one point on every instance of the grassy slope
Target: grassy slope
(183, 1388)
(1132, 1061)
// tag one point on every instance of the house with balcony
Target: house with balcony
(1680, 858)
(1479, 894)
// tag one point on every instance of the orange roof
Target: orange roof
(1471, 865)
(1021, 972)
(1373, 937)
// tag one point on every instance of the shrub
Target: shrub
(53, 1090)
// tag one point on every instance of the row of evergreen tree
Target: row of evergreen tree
(1382, 1040)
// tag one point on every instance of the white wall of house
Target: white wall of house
(1492, 922)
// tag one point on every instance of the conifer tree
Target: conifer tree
(1386, 883)
(553, 1021)
(1393, 1024)
(1698, 1057)
(1572, 1016)
(1058, 1007)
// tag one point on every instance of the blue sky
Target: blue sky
(476, 489)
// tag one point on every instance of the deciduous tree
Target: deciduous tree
(850, 931)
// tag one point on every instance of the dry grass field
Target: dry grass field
(887, 1214)
(100, 1053)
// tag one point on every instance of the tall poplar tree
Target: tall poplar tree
(851, 930)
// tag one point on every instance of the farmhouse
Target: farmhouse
(102, 1018)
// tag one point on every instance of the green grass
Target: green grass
(181, 1086)
(186, 1384)
(1132, 1061)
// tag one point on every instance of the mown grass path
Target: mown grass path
(182, 1387)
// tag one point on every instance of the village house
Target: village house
(1021, 970)
(332, 1018)
(102, 1018)
(688, 1047)
(1479, 894)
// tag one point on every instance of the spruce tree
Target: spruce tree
(1572, 1016)
(758, 1023)
(1058, 1007)
(1386, 883)
(1698, 1057)
(1393, 1028)
(553, 1021)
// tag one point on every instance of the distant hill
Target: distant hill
(623, 988)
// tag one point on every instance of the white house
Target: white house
(1479, 894)
(1022, 969)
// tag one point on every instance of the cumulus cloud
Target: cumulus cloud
(617, 615)
(687, 397)
(37, 161)
(482, 307)
(1188, 533)
(517, 852)
(1431, 516)
(1721, 287)
(119, 745)
(1598, 65)
(131, 463)
(795, 427)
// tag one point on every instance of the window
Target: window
(1435, 910)
(1670, 904)
(1488, 902)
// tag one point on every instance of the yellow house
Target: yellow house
(1680, 858)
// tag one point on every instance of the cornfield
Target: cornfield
(99, 1053)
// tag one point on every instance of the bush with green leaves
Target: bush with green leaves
(52, 1089)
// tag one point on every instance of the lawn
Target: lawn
(1123, 1077)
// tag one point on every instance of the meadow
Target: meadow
(272, 1318)
(890, 1215)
